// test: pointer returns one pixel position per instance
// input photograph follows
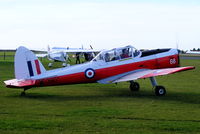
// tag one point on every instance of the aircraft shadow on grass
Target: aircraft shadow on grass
(191, 98)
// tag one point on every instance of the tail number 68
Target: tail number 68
(172, 61)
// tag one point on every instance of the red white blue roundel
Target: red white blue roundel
(89, 73)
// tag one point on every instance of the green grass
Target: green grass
(6, 56)
(97, 108)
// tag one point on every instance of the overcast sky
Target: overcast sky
(100, 23)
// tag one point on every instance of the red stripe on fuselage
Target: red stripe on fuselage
(102, 73)
(163, 62)
(37, 67)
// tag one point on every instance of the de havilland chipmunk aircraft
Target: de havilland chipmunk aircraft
(109, 66)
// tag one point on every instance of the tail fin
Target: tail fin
(27, 64)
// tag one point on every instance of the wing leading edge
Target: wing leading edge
(145, 73)
(74, 50)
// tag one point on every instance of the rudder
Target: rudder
(27, 64)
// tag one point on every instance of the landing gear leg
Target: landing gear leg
(159, 90)
(134, 86)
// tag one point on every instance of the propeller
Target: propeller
(91, 47)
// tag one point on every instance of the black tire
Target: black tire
(160, 91)
(134, 86)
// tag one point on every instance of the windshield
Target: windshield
(98, 57)
(117, 54)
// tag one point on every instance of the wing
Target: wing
(81, 51)
(14, 83)
(74, 50)
(41, 55)
(144, 73)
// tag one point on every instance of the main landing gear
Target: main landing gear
(134, 86)
(159, 90)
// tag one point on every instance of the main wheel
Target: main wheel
(134, 86)
(160, 91)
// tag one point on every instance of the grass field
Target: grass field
(97, 108)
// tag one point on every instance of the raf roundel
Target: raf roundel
(89, 73)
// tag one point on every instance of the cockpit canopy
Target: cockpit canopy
(117, 54)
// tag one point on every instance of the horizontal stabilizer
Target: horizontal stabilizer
(14, 83)
(41, 55)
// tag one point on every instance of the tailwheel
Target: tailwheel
(23, 93)
(160, 91)
(134, 86)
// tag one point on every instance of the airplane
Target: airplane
(109, 66)
(55, 55)
(59, 54)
